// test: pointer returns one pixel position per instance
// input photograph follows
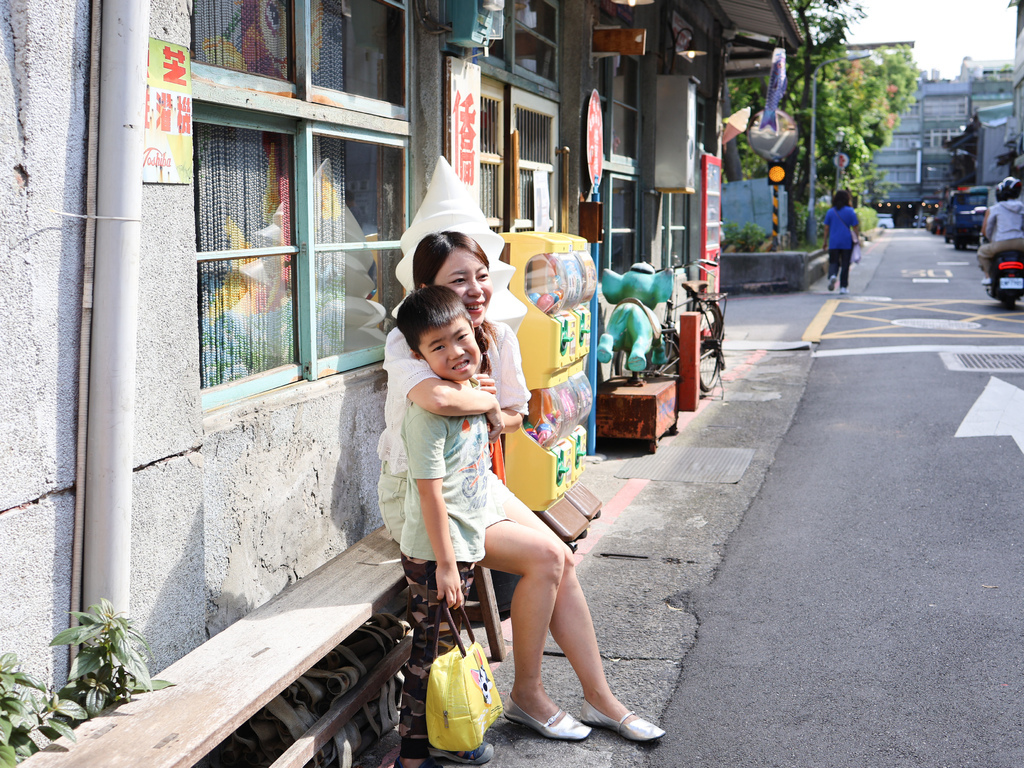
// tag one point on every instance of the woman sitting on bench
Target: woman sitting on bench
(549, 595)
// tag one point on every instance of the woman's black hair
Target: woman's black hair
(841, 199)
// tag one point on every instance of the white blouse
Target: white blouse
(405, 372)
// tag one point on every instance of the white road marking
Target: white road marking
(953, 263)
(999, 410)
(965, 349)
(931, 279)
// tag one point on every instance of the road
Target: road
(868, 609)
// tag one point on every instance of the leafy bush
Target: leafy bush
(867, 217)
(745, 239)
(110, 667)
(27, 709)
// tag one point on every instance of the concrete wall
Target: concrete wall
(42, 166)
(290, 481)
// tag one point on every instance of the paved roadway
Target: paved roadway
(868, 610)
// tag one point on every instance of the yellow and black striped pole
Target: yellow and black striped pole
(775, 217)
(776, 175)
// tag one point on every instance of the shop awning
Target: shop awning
(757, 27)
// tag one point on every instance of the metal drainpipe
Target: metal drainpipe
(111, 419)
(85, 339)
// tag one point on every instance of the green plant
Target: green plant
(27, 708)
(745, 239)
(109, 667)
(868, 218)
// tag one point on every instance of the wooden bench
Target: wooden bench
(227, 679)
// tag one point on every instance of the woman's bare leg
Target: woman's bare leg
(522, 550)
(570, 624)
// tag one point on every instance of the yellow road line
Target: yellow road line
(817, 326)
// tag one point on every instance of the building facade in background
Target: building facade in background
(929, 152)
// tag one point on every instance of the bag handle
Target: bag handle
(447, 616)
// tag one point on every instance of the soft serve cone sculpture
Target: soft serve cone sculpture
(448, 207)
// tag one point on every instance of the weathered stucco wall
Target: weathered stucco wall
(226, 512)
(290, 481)
(42, 166)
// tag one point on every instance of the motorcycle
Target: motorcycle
(1007, 276)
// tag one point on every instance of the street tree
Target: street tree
(859, 102)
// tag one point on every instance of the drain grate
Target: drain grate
(934, 324)
(983, 362)
(690, 465)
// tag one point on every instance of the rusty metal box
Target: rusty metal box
(638, 410)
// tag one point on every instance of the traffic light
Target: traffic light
(776, 173)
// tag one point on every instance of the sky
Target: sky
(942, 38)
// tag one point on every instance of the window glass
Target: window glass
(678, 218)
(538, 16)
(623, 244)
(243, 201)
(358, 198)
(243, 188)
(246, 318)
(359, 191)
(535, 55)
(359, 48)
(625, 117)
(251, 36)
(536, 29)
(491, 151)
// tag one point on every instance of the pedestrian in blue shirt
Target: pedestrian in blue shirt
(842, 232)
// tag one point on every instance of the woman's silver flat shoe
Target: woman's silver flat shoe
(566, 729)
(638, 730)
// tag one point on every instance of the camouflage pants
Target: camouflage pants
(421, 575)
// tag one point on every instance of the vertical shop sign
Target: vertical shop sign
(595, 138)
(168, 155)
(464, 122)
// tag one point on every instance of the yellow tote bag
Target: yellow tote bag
(462, 700)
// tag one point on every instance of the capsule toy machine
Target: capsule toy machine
(544, 459)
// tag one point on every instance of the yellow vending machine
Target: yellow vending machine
(555, 278)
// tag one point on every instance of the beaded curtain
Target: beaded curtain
(243, 191)
(244, 35)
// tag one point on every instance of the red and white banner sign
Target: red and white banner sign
(464, 136)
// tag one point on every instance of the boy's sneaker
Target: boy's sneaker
(832, 282)
(478, 756)
(844, 290)
(986, 281)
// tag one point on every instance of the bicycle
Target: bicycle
(712, 333)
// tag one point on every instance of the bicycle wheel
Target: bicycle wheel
(712, 359)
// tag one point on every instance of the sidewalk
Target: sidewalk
(654, 544)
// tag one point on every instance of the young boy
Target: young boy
(448, 505)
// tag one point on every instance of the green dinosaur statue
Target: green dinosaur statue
(633, 326)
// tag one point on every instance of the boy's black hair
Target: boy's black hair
(427, 309)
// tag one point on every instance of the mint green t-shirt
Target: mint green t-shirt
(454, 448)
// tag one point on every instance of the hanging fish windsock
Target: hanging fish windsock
(776, 89)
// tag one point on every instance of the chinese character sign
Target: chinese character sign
(464, 122)
(168, 155)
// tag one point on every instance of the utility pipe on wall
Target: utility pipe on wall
(110, 442)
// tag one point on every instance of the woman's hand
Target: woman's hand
(495, 422)
(449, 585)
(487, 384)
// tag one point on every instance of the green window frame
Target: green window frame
(299, 116)
(528, 55)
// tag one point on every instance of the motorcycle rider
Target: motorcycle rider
(1003, 225)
